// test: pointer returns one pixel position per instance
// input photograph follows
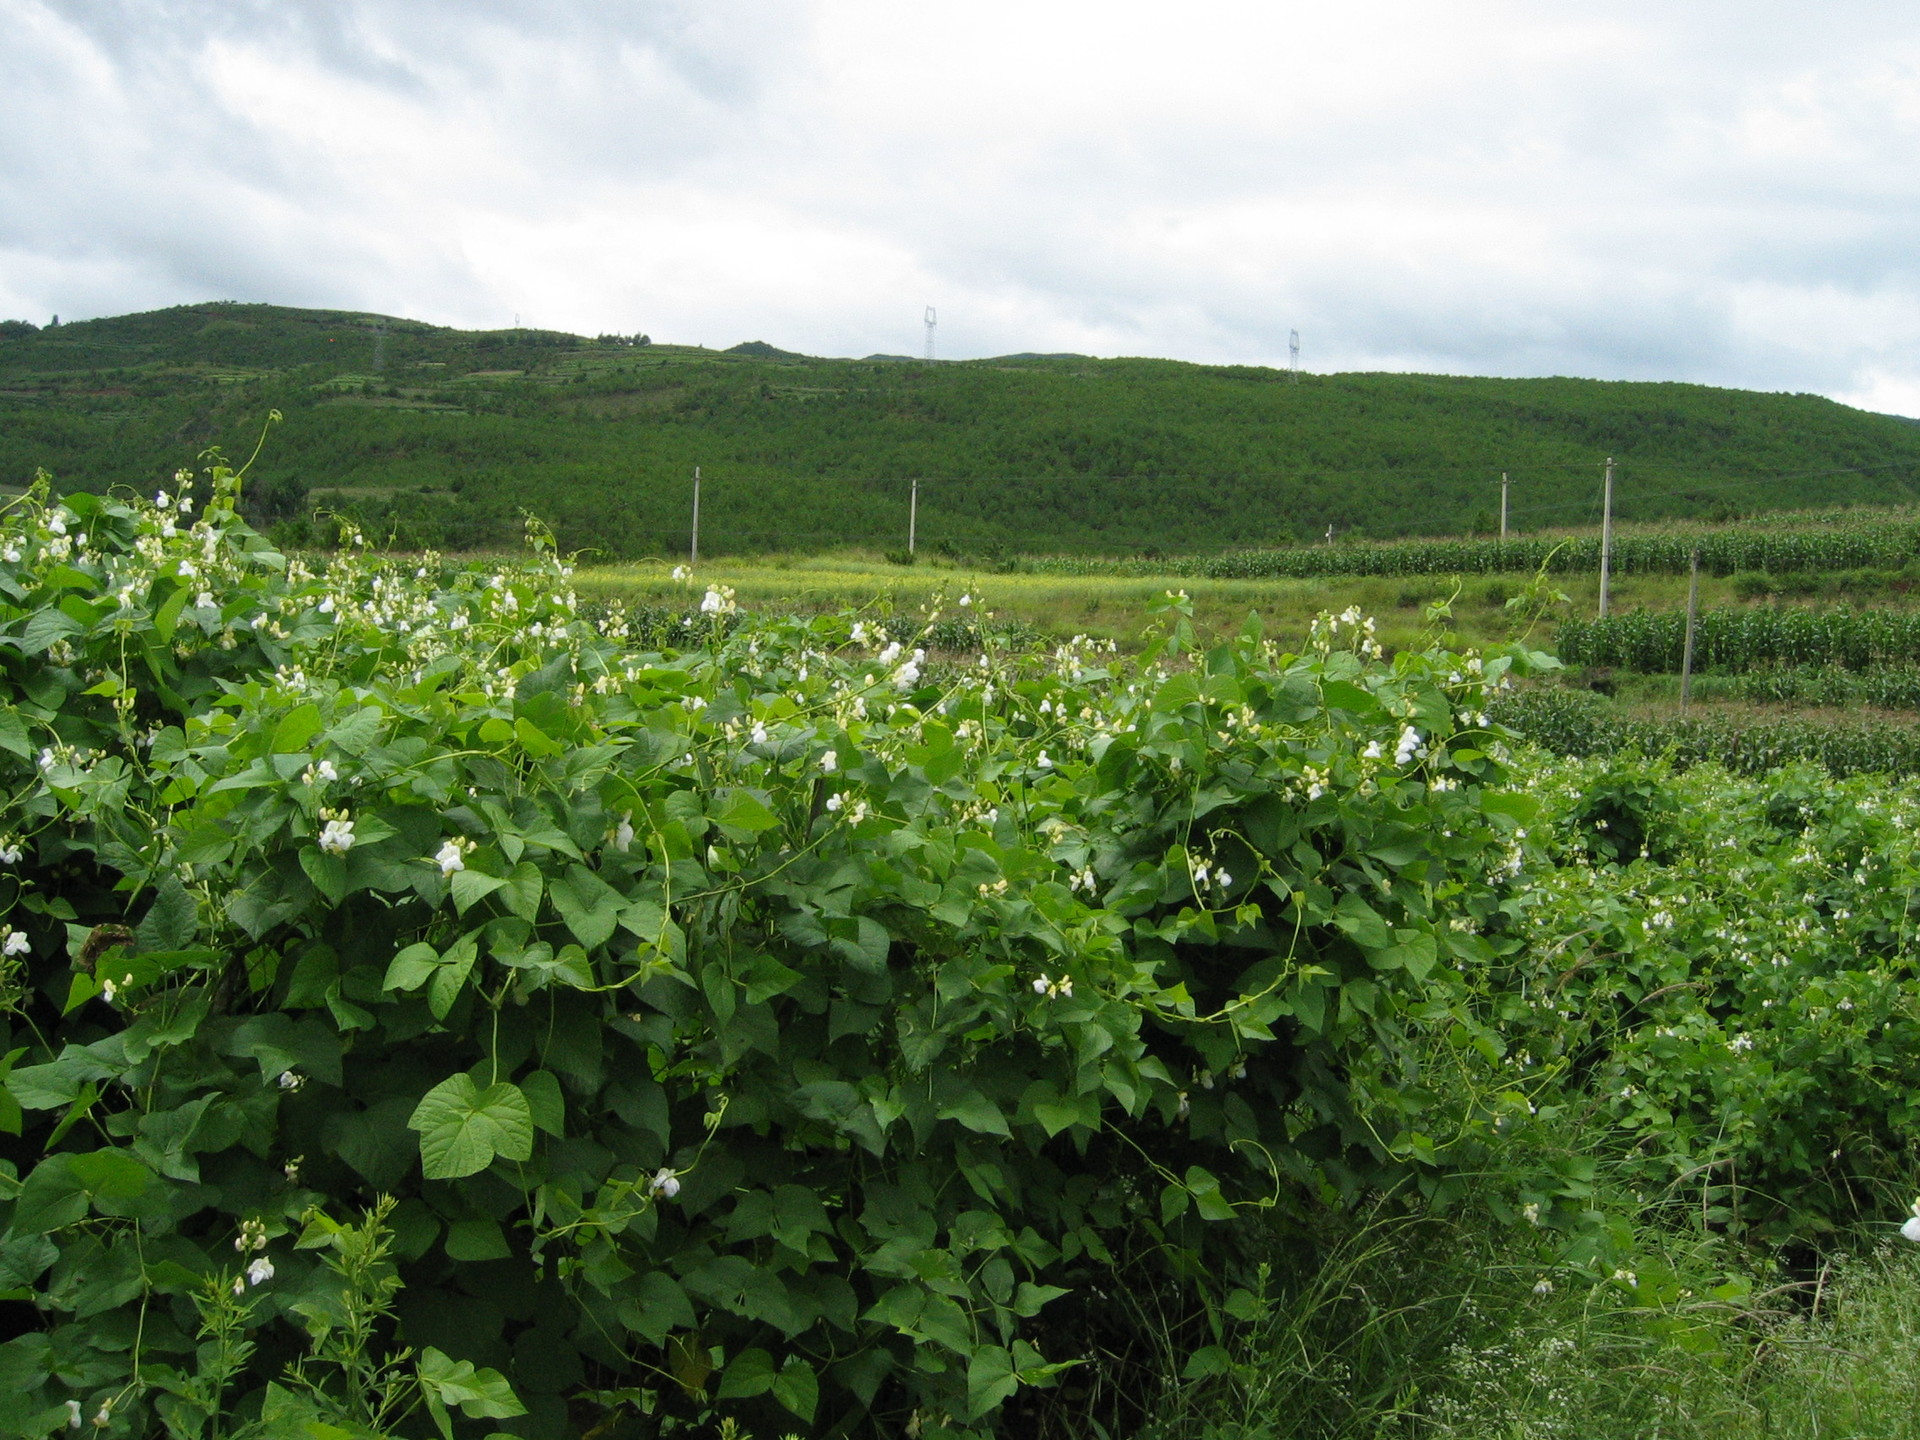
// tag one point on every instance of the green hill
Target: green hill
(446, 435)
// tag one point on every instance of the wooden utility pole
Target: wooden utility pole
(693, 554)
(1503, 507)
(1606, 538)
(913, 516)
(1686, 650)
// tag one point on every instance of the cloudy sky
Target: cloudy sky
(1721, 192)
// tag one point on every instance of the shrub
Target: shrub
(746, 1027)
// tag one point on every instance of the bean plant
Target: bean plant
(430, 1010)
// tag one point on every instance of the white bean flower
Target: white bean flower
(451, 857)
(1911, 1229)
(829, 762)
(664, 1183)
(337, 837)
(16, 943)
(260, 1271)
(1408, 747)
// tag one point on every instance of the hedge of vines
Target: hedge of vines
(428, 1011)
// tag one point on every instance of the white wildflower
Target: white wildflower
(835, 801)
(664, 1183)
(260, 1271)
(73, 1414)
(450, 857)
(325, 771)
(17, 943)
(623, 832)
(337, 837)
(829, 762)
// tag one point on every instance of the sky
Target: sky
(1726, 193)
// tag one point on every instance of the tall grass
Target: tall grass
(1431, 1328)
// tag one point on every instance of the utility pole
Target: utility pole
(1686, 652)
(1606, 538)
(693, 555)
(913, 516)
(1503, 507)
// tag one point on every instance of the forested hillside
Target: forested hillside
(444, 436)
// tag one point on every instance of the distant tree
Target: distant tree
(17, 329)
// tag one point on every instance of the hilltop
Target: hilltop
(444, 436)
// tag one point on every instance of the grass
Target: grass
(1114, 607)
(1423, 1327)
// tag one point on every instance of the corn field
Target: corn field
(1569, 722)
(1887, 687)
(1844, 546)
(1734, 640)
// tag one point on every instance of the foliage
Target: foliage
(1843, 542)
(438, 438)
(1885, 687)
(758, 1028)
(1737, 639)
(1581, 723)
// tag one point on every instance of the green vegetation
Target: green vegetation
(441, 1004)
(1791, 543)
(441, 437)
(1581, 723)
(1735, 640)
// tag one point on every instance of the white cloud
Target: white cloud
(1713, 191)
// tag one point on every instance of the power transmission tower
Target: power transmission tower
(932, 320)
(1293, 356)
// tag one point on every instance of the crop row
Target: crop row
(1885, 687)
(1578, 723)
(1734, 640)
(1722, 552)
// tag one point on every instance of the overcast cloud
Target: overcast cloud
(1721, 192)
